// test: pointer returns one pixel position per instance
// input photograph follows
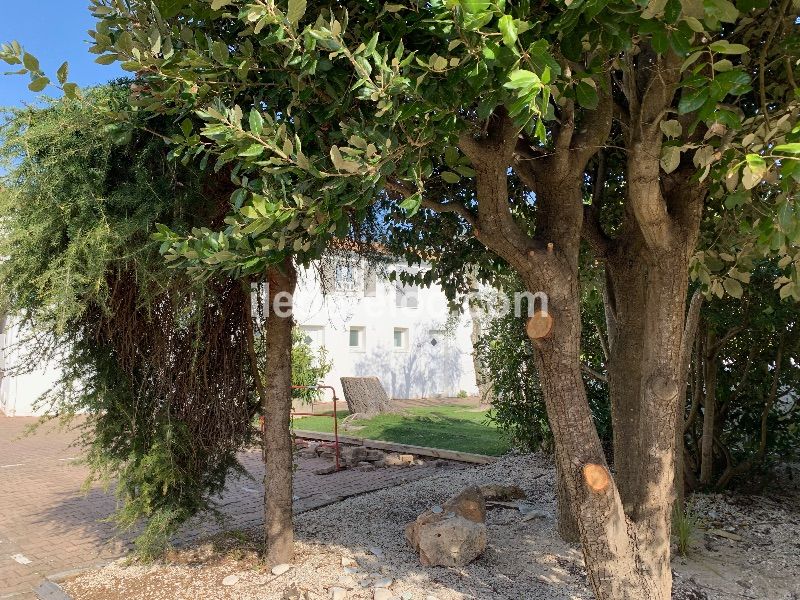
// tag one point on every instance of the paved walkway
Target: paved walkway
(45, 519)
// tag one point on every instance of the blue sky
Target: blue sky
(53, 31)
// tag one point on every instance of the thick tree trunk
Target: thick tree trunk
(625, 296)
(277, 406)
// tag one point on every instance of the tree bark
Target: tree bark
(626, 279)
(709, 411)
(275, 393)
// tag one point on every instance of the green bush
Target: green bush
(156, 360)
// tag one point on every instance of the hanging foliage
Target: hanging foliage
(155, 361)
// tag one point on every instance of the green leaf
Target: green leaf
(793, 148)
(725, 47)
(256, 122)
(30, 61)
(671, 128)
(71, 90)
(522, 80)
(474, 6)
(451, 177)
(220, 52)
(297, 8)
(106, 59)
(670, 158)
(252, 151)
(691, 100)
(733, 287)
(508, 29)
(411, 204)
(586, 94)
(218, 4)
(63, 73)
(38, 84)
(723, 10)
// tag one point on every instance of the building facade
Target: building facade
(369, 326)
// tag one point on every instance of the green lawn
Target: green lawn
(446, 427)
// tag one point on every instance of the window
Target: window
(400, 338)
(357, 338)
(346, 275)
(406, 296)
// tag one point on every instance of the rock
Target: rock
(393, 460)
(407, 459)
(281, 569)
(231, 580)
(381, 594)
(496, 491)
(351, 570)
(325, 470)
(348, 562)
(376, 551)
(307, 453)
(451, 535)
(379, 464)
(293, 592)
(365, 467)
(374, 455)
(726, 534)
(353, 455)
(406, 596)
(384, 582)
(468, 504)
(419, 462)
(338, 593)
(451, 542)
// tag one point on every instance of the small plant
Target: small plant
(684, 523)
(462, 394)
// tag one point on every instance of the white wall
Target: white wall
(19, 392)
(420, 369)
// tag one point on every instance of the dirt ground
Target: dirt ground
(744, 547)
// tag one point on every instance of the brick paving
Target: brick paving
(45, 518)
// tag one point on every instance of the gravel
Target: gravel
(347, 549)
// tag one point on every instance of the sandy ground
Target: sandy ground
(748, 547)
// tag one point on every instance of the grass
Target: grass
(684, 524)
(445, 427)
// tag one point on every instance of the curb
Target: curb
(49, 590)
(479, 459)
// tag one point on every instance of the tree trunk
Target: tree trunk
(625, 296)
(709, 412)
(276, 400)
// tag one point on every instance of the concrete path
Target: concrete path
(48, 526)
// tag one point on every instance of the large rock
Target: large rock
(365, 395)
(451, 542)
(502, 493)
(451, 535)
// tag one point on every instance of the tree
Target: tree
(742, 409)
(156, 362)
(480, 92)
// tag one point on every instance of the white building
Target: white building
(369, 326)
